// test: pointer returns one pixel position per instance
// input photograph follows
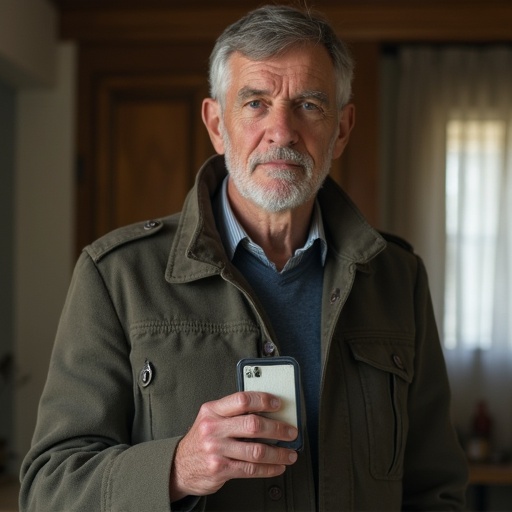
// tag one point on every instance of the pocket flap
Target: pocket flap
(393, 355)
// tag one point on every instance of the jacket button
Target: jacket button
(146, 374)
(269, 348)
(335, 295)
(398, 362)
(275, 493)
(151, 224)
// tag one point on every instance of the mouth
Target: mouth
(278, 161)
(278, 165)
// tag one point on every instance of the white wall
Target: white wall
(42, 70)
(44, 231)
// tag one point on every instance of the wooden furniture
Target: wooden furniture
(490, 474)
(483, 476)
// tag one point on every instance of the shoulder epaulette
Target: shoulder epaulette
(397, 240)
(121, 236)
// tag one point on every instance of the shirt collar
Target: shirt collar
(233, 234)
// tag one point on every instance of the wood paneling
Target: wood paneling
(358, 169)
(140, 135)
(362, 20)
(149, 131)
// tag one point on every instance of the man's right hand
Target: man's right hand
(217, 447)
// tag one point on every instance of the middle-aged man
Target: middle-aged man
(268, 257)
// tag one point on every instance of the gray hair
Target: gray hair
(270, 31)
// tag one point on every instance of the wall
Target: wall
(44, 227)
(28, 31)
(40, 71)
(7, 130)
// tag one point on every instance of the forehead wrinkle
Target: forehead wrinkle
(268, 76)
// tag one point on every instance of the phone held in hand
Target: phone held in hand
(279, 376)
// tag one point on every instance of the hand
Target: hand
(216, 449)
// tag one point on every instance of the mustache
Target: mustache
(281, 153)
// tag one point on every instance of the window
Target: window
(475, 163)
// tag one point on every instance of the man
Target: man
(269, 257)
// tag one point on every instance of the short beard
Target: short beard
(289, 188)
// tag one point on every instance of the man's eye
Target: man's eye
(309, 106)
(255, 104)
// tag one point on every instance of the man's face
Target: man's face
(281, 127)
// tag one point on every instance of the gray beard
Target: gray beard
(293, 188)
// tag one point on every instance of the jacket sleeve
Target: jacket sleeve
(81, 456)
(436, 471)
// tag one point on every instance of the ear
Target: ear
(346, 123)
(212, 119)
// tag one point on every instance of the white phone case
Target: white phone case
(279, 376)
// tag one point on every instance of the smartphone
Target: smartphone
(279, 376)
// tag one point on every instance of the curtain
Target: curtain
(449, 192)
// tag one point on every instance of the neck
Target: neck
(279, 234)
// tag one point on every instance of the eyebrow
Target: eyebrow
(248, 92)
(317, 95)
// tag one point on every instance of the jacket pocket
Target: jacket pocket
(180, 365)
(386, 370)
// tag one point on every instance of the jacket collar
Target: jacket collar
(349, 235)
(197, 251)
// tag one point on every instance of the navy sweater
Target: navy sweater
(293, 303)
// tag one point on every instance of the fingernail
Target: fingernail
(292, 432)
(292, 457)
(275, 403)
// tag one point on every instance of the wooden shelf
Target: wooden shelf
(490, 474)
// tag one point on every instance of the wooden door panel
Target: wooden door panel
(150, 142)
(150, 159)
(140, 139)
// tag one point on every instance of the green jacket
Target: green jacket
(154, 324)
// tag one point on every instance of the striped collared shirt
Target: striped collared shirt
(232, 233)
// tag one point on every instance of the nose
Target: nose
(281, 128)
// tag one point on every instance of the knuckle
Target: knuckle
(250, 469)
(243, 400)
(205, 409)
(207, 427)
(210, 447)
(252, 424)
(258, 452)
(215, 465)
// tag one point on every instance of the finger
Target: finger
(256, 426)
(250, 470)
(248, 426)
(228, 469)
(245, 402)
(261, 453)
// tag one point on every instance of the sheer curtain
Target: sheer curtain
(450, 195)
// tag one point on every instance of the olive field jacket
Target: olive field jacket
(153, 326)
